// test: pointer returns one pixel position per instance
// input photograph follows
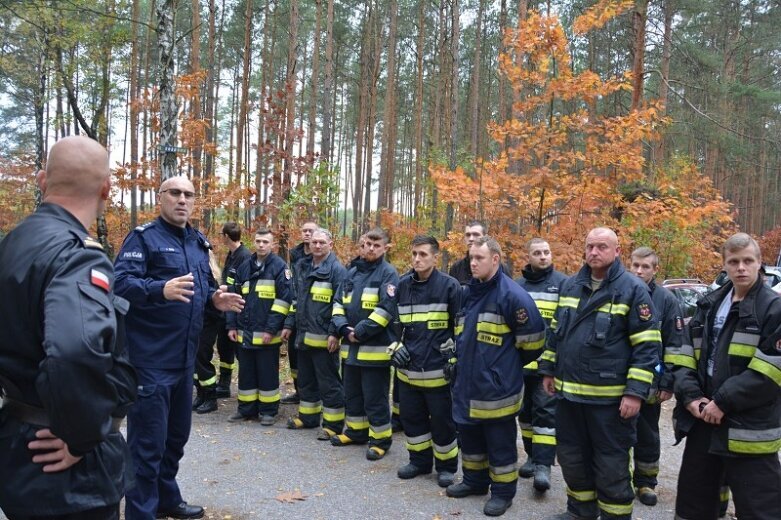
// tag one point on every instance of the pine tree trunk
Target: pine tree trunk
(419, 50)
(195, 68)
(639, 16)
(169, 107)
(134, 72)
(245, 72)
(328, 82)
(313, 98)
(290, 107)
(388, 148)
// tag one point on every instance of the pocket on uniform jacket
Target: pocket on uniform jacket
(605, 368)
(146, 391)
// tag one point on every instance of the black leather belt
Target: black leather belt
(33, 415)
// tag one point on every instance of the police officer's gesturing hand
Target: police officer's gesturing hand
(56, 456)
(227, 301)
(179, 288)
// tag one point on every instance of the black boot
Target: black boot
(199, 396)
(209, 403)
(224, 385)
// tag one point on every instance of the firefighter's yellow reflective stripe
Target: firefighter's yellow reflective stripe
(527, 433)
(640, 374)
(247, 396)
(697, 352)
(620, 309)
(503, 474)
(459, 328)
(269, 396)
(697, 343)
(348, 298)
(649, 469)
(492, 328)
(474, 461)
(428, 379)
(589, 390)
(333, 414)
(530, 341)
(646, 335)
(310, 408)
(292, 307)
(421, 313)
(380, 432)
(767, 365)
(315, 340)
(257, 339)
(208, 382)
(548, 355)
(380, 316)
(546, 303)
(682, 356)
(582, 496)
(495, 409)
(344, 351)
(357, 423)
(741, 350)
(280, 306)
(369, 298)
(322, 292)
(266, 289)
(745, 338)
(615, 509)
(338, 309)
(230, 280)
(294, 373)
(419, 442)
(395, 408)
(531, 366)
(229, 366)
(245, 288)
(724, 493)
(554, 324)
(569, 301)
(370, 353)
(447, 452)
(544, 436)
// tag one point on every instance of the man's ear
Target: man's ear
(40, 179)
(105, 190)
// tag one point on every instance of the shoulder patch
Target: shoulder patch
(288, 274)
(678, 323)
(644, 312)
(99, 279)
(143, 227)
(391, 290)
(91, 243)
(778, 345)
(522, 315)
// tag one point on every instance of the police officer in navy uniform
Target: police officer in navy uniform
(728, 394)
(499, 331)
(64, 375)
(538, 412)
(599, 359)
(647, 451)
(429, 301)
(163, 270)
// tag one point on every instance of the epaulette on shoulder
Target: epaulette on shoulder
(143, 227)
(203, 240)
(91, 243)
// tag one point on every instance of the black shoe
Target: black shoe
(497, 506)
(375, 453)
(200, 397)
(646, 496)
(183, 510)
(462, 490)
(268, 420)
(411, 471)
(541, 478)
(221, 392)
(445, 479)
(290, 399)
(570, 516)
(527, 469)
(238, 417)
(208, 406)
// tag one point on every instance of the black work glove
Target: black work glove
(449, 370)
(400, 357)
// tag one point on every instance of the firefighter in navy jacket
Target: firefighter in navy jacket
(163, 270)
(364, 311)
(64, 374)
(429, 301)
(728, 393)
(264, 282)
(499, 331)
(538, 412)
(602, 348)
(319, 384)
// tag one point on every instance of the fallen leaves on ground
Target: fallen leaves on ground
(291, 497)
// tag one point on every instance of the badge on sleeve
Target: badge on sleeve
(644, 312)
(391, 290)
(522, 316)
(678, 323)
(778, 345)
(288, 274)
(99, 279)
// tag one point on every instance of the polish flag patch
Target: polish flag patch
(99, 279)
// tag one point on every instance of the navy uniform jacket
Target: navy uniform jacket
(672, 329)
(232, 262)
(267, 293)
(162, 333)
(366, 300)
(62, 351)
(427, 311)
(314, 290)
(604, 344)
(499, 330)
(746, 380)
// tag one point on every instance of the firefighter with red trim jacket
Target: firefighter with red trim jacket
(264, 281)
(728, 393)
(364, 309)
(499, 331)
(600, 355)
(538, 412)
(429, 301)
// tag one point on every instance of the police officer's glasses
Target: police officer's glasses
(176, 193)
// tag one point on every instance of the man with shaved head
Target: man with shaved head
(163, 269)
(599, 361)
(64, 376)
